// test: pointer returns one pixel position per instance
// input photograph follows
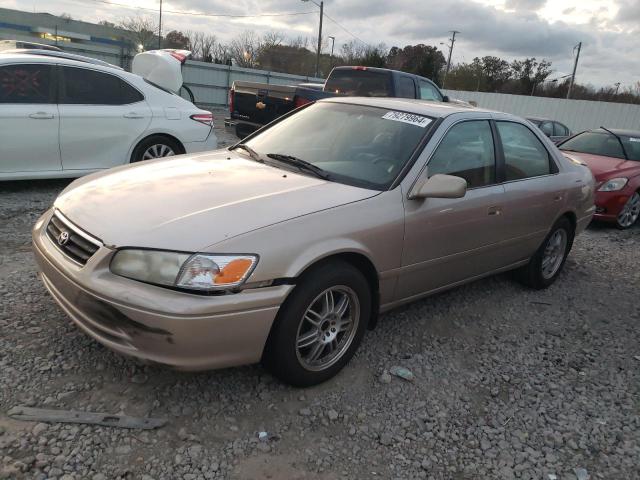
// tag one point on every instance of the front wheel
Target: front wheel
(630, 212)
(320, 326)
(546, 264)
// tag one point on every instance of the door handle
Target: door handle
(133, 115)
(494, 211)
(41, 116)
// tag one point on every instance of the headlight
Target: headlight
(613, 185)
(198, 271)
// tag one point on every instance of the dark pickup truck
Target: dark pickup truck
(253, 105)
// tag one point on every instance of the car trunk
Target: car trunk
(162, 68)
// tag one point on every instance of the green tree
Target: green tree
(176, 39)
(420, 59)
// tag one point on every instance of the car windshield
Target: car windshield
(354, 144)
(604, 143)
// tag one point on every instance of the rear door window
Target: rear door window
(406, 87)
(83, 86)
(359, 83)
(524, 154)
(560, 130)
(31, 83)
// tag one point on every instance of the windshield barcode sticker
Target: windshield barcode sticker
(634, 139)
(417, 120)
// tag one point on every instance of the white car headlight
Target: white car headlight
(199, 271)
(613, 185)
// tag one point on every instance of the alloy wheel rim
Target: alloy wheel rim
(158, 151)
(630, 212)
(327, 328)
(554, 251)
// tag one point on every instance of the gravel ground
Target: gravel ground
(509, 383)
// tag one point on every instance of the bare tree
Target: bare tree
(143, 30)
(245, 48)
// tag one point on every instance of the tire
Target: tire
(630, 213)
(303, 330)
(163, 146)
(542, 270)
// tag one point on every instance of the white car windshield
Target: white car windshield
(354, 144)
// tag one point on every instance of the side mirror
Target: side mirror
(445, 98)
(440, 186)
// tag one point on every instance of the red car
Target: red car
(614, 159)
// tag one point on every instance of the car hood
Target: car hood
(189, 203)
(605, 167)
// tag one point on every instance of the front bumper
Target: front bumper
(182, 330)
(610, 204)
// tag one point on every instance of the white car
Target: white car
(64, 115)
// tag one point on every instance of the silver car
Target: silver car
(285, 248)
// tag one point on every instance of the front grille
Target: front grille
(76, 245)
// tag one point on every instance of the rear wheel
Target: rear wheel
(546, 264)
(629, 214)
(320, 326)
(156, 146)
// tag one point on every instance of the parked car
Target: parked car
(253, 105)
(284, 248)
(64, 115)
(556, 131)
(614, 158)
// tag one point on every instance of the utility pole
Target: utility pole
(319, 34)
(333, 42)
(160, 27)
(319, 40)
(575, 66)
(453, 41)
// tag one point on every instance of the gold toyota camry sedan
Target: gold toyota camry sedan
(286, 247)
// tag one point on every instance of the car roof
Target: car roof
(44, 56)
(540, 119)
(420, 107)
(618, 131)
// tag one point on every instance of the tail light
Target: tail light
(178, 56)
(359, 68)
(232, 95)
(204, 118)
(300, 101)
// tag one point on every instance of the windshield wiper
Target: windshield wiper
(624, 150)
(301, 164)
(252, 153)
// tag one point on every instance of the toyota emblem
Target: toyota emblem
(63, 238)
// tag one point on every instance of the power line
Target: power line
(200, 14)
(345, 29)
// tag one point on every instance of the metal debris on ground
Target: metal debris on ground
(263, 436)
(403, 373)
(70, 416)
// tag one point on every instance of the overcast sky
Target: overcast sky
(609, 30)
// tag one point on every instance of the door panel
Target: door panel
(101, 116)
(29, 119)
(449, 240)
(534, 191)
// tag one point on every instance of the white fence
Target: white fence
(210, 82)
(578, 115)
